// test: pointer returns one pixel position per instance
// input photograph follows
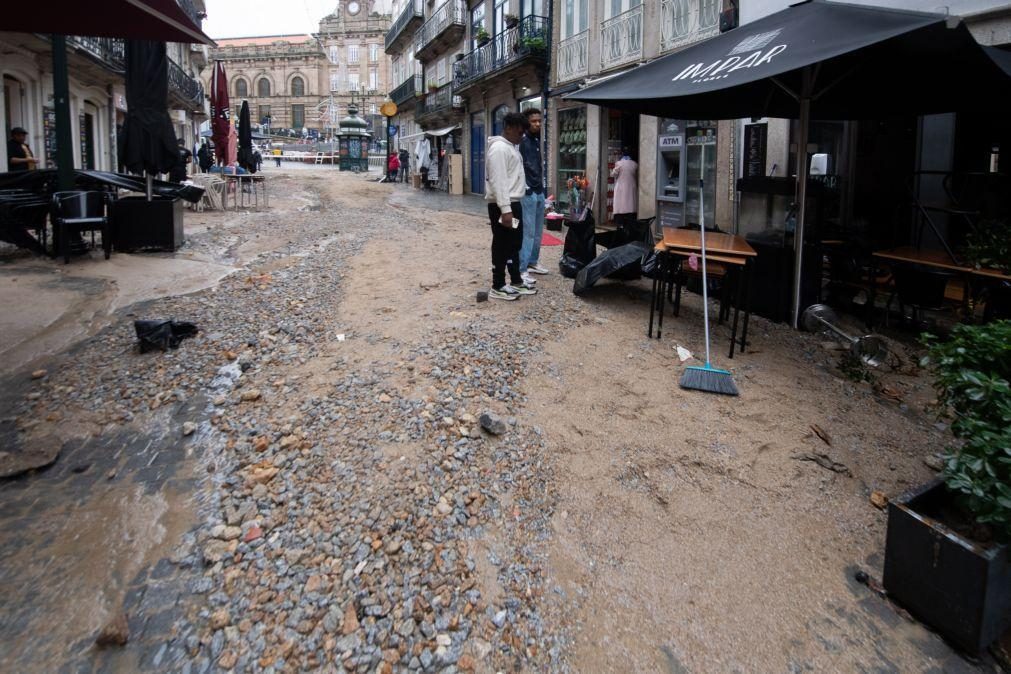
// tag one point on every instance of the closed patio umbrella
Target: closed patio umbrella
(219, 113)
(245, 154)
(149, 141)
(818, 60)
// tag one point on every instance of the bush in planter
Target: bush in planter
(989, 245)
(973, 370)
(533, 43)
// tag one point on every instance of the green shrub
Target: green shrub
(989, 245)
(972, 370)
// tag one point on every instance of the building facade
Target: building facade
(306, 82)
(97, 94)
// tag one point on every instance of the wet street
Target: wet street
(355, 466)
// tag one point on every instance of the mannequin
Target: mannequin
(423, 159)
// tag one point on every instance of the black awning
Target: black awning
(861, 62)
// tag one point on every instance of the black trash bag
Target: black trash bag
(580, 247)
(162, 335)
(650, 263)
(623, 262)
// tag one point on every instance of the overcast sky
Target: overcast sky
(245, 18)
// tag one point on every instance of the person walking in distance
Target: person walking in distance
(19, 155)
(504, 187)
(533, 199)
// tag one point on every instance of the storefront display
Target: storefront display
(571, 152)
(622, 134)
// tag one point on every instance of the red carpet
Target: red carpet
(549, 240)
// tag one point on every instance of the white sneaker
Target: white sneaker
(528, 279)
(522, 289)
(506, 292)
(537, 269)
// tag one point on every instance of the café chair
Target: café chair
(919, 288)
(77, 212)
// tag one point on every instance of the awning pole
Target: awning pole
(798, 236)
(61, 107)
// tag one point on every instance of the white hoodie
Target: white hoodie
(504, 180)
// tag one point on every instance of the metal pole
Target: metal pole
(61, 103)
(798, 236)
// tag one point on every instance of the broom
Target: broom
(707, 378)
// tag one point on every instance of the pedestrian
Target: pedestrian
(257, 160)
(405, 162)
(626, 191)
(178, 172)
(533, 200)
(392, 166)
(204, 158)
(277, 158)
(19, 154)
(504, 187)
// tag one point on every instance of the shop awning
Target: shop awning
(442, 132)
(818, 60)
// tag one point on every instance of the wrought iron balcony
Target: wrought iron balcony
(571, 58)
(621, 39)
(106, 51)
(443, 28)
(402, 30)
(527, 40)
(186, 88)
(683, 22)
(406, 92)
(439, 101)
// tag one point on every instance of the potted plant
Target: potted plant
(947, 551)
(511, 20)
(482, 36)
(534, 43)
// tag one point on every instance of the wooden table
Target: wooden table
(727, 249)
(938, 259)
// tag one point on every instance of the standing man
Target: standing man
(19, 155)
(405, 161)
(533, 199)
(504, 187)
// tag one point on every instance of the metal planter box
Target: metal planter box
(139, 224)
(956, 586)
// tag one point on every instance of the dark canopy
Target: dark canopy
(245, 154)
(139, 19)
(868, 63)
(149, 143)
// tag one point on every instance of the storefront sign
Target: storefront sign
(667, 142)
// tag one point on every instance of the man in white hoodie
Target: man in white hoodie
(504, 187)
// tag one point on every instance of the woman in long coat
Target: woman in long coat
(626, 189)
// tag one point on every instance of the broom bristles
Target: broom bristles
(708, 379)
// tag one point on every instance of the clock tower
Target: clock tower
(356, 9)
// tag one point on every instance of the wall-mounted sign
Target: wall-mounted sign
(670, 142)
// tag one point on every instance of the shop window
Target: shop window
(571, 151)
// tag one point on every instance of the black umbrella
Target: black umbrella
(149, 144)
(819, 60)
(245, 152)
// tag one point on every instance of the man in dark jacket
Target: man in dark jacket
(533, 200)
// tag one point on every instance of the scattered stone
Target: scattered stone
(878, 500)
(39, 374)
(493, 423)
(189, 427)
(115, 633)
(220, 619)
(934, 462)
(228, 660)
(250, 395)
(349, 624)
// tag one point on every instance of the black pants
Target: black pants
(505, 245)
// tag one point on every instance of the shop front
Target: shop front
(571, 152)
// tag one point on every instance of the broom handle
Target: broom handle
(702, 231)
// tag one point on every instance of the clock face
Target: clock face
(353, 7)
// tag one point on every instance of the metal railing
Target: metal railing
(683, 22)
(191, 11)
(621, 39)
(188, 88)
(440, 100)
(529, 37)
(108, 51)
(406, 91)
(415, 9)
(450, 14)
(571, 57)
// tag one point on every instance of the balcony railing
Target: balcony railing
(440, 100)
(191, 11)
(186, 87)
(443, 27)
(529, 38)
(406, 91)
(399, 32)
(571, 57)
(107, 51)
(621, 39)
(683, 22)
